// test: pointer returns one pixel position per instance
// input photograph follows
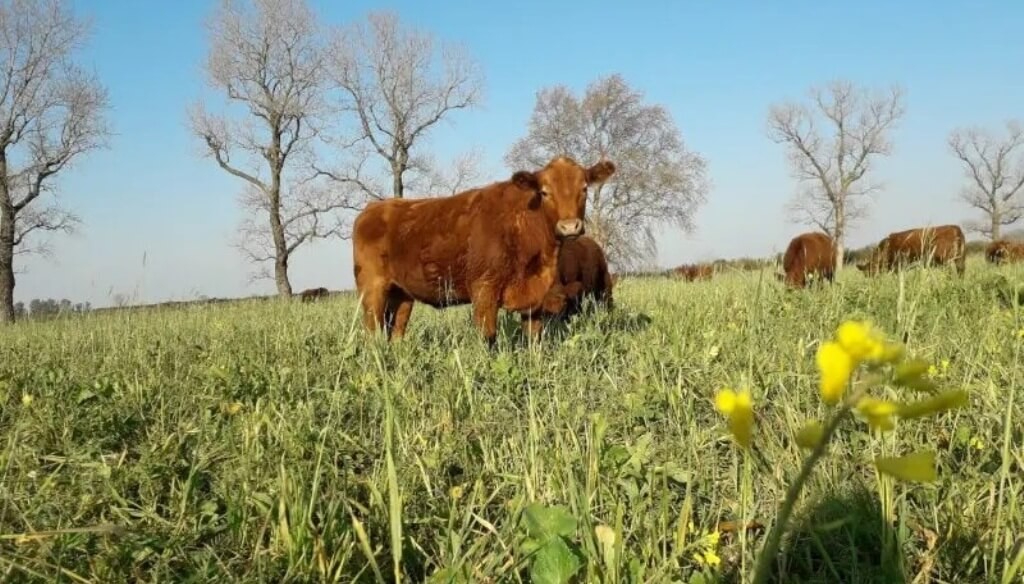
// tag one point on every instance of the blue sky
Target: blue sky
(158, 219)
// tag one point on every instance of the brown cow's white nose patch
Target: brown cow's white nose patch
(570, 227)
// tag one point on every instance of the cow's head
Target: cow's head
(561, 189)
(871, 266)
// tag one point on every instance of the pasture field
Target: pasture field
(275, 442)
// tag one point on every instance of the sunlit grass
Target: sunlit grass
(273, 441)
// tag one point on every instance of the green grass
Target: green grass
(349, 460)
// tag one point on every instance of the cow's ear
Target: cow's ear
(526, 180)
(600, 172)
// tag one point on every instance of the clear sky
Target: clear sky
(158, 219)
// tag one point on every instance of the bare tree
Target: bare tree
(306, 214)
(462, 174)
(397, 84)
(267, 57)
(51, 113)
(658, 181)
(832, 144)
(994, 167)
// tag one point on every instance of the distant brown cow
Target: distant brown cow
(1004, 250)
(939, 245)
(692, 273)
(807, 254)
(313, 294)
(583, 273)
(494, 247)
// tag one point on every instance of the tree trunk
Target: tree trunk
(284, 286)
(839, 235)
(6, 266)
(996, 226)
(398, 184)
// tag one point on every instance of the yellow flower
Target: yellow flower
(946, 400)
(860, 340)
(977, 443)
(932, 371)
(917, 467)
(738, 407)
(810, 435)
(707, 558)
(878, 413)
(836, 367)
(26, 399)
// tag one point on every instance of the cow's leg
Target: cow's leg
(485, 313)
(400, 306)
(375, 299)
(532, 326)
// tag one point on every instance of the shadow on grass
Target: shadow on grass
(841, 539)
(557, 330)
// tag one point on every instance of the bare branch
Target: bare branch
(399, 84)
(51, 114)
(658, 180)
(462, 174)
(994, 168)
(267, 59)
(831, 146)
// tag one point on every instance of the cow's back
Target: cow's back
(809, 253)
(419, 245)
(942, 244)
(1004, 250)
(436, 249)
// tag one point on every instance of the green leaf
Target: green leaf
(615, 456)
(529, 546)
(676, 473)
(916, 467)
(84, 396)
(963, 435)
(554, 563)
(939, 403)
(544, 523)
(449, 576)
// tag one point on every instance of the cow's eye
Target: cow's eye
(543, 192)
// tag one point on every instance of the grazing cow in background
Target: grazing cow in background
(583, 273)
(313, 294)
(940, 245)
(807, 254)
(691, 273)
(494, 247)
(1004, 250)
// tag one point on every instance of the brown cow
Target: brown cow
(583, 273)
(809, 253)
(939, 245)
(494, 247)
(692, 273)
(1004, 250)
(313, 294)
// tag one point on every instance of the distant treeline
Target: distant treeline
(39, 308)
(49, 308)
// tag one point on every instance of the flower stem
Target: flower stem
(766, 558)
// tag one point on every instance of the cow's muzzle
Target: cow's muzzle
(568, 228)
